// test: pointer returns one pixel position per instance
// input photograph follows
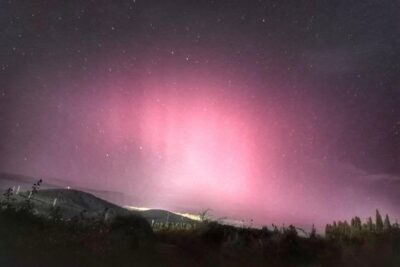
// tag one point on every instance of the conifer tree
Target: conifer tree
(386, 224)
(370, 224)
(328, 230)
(358, 223)
(313, 233)
(378, 221)
(356, 226)
(346, 228)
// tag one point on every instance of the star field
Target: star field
(280, 111)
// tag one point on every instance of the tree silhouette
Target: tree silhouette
(35, 189)
(378, 221)
(370, 224)
(313, 233)
(8, 194)
(8, 197)
(386, 224)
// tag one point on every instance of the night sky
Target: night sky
(277, 111)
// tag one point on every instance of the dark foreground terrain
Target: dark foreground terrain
(127, 239)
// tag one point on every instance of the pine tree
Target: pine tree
(328, 230)
(356, 226)
(386, 224)
(378, 222)
(370, 224)
(346, 228)
(313, 233)
(358, 223)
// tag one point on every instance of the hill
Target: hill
(163, 216)
(24, 183)
(70, 204)
(73, 203)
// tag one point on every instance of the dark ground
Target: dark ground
(34, 233)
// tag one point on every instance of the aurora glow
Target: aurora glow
(256, 109)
